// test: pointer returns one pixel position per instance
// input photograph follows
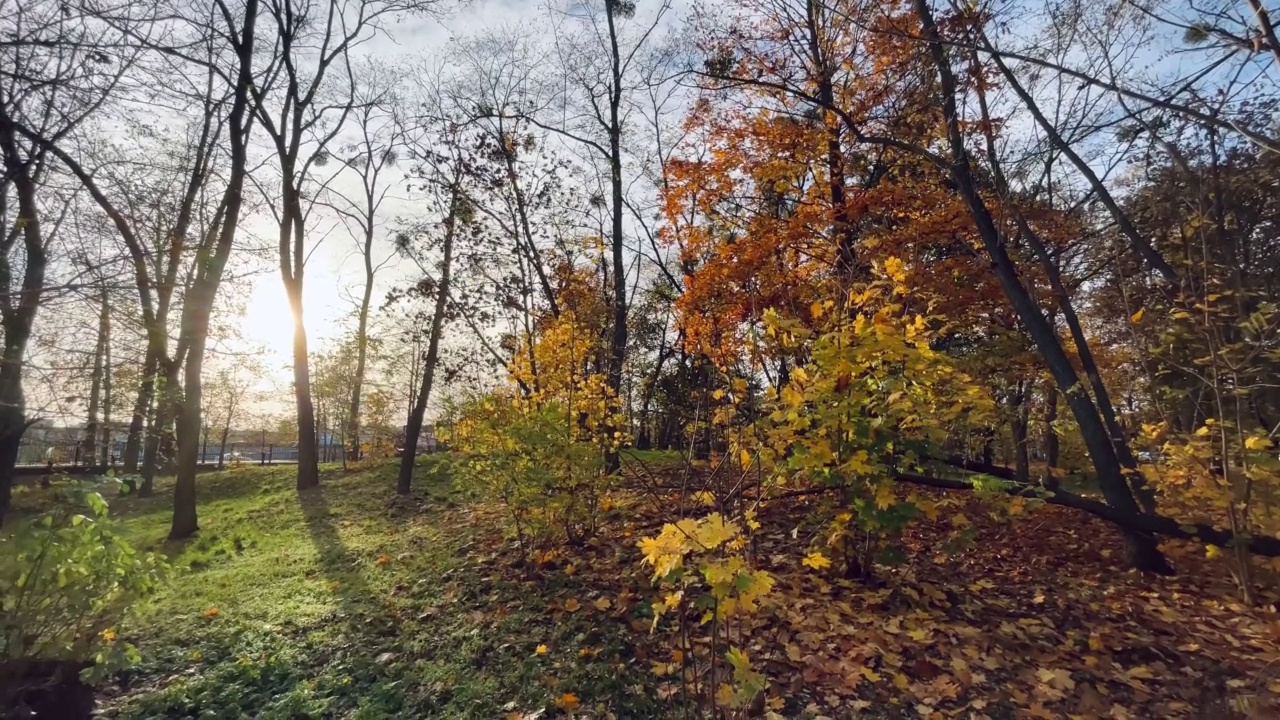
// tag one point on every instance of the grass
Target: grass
(348, 601)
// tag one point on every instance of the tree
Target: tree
(238, 31)
(445, 176)
(304, 96)
(371, 159)
(58, 65)
(229, 391)
(599, 55)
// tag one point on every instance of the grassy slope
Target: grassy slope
(346, 601)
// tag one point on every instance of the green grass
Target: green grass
(654, 458)
(310, 623)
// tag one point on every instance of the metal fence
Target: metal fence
(61, 454)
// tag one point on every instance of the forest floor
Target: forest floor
(348, 601)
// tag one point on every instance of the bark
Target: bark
(1101, 397)
(222, 445)
(618, 346)
(91, 426)
(1128, 522)
(292, 271)
(1021, 453)
(1051, 436)
(17, 319)
(1142, 548)
(199, 302)
(142, 408)
(413, 429)
(106, 386)
(842, 225)
(160, 441)
(362, 350)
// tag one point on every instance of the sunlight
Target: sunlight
(268, 323)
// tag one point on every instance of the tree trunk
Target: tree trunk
(107, 397)
(292, 271)
(1051, 435)
(168, 406)
(199, 301)
(404, 482)
(222, 445)
(308, 443)
(91, 426)
(362, 347)
(618, 346)
(843, 229)
(1021, 452)
(142, 408)
(1143, 551)
(17, 319)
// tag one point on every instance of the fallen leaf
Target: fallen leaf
(567, 702)
(816, 560)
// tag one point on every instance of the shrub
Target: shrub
(536, 459)
(64, 587)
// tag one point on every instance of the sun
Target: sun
(268, 322)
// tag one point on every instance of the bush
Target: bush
(546, 468)
(64, 586)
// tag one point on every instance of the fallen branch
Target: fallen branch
(1157, 524)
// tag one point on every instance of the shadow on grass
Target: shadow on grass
(337, 564)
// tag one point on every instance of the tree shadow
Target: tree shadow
(337, 564)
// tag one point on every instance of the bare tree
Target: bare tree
(238, 33)
(305, 95)
(59, 64)
(371, 158)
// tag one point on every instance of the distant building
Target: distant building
(426, 438)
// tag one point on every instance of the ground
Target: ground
(348, 601)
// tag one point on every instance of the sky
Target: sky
(335, 273)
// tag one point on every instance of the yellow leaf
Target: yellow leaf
(1095, 642)
(603, 604)
(816, 560)
(109, 634)
(744, 457)
(567, 702)
(1212, 551)
(895, 269)
(540, 650)
(1257, 442)
(816, 309)
(717, 394)
(572, 605)
(1137, 317)
(885, 497)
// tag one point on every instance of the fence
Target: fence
(61, 454)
